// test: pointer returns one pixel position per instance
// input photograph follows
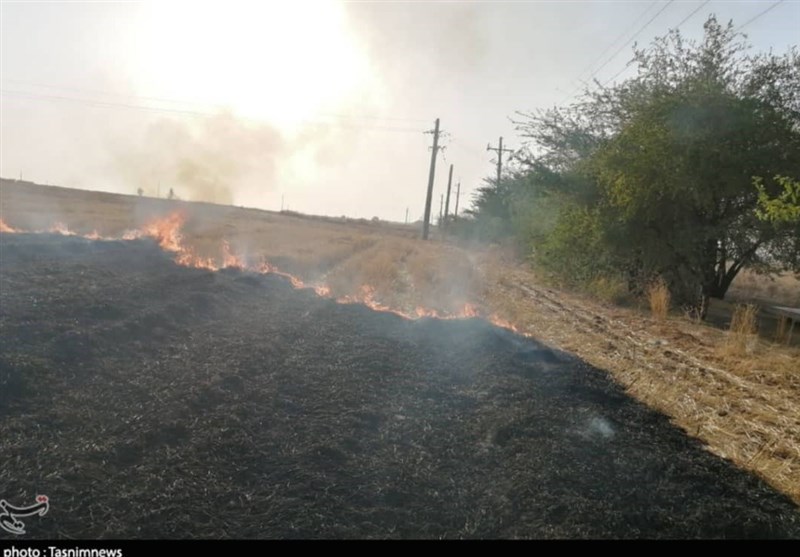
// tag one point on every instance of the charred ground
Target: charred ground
(152, 400)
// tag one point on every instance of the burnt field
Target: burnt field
(150, 400)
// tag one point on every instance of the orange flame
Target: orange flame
(230, 259)
(61, 228)
(7, 229)
(504, 323)
(166, 232)
(322, 290)
(265, 267)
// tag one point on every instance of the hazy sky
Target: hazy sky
(321, 103)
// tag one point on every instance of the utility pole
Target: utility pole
(406, 215)
(427, 220)
(447, 202)
(458, 195)
(499, 150)
(441, 208)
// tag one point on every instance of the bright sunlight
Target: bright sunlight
(281, 62)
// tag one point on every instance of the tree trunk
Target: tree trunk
(705, 302)
(719, 277)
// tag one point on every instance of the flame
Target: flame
(265, 267)
(322, 290)
(7, 229)
(229, 259)
(61, 228)
(425, 312)
(166, 231)
(504, 324)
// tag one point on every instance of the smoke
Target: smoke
(429, 45)
(209, 159)
(598, 427)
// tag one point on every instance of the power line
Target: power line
(99, 103)
(99, 92)
(688, 17)
(752, 19)
(117, 105)
(642, 28)
(194, 103)
(499, 150)
(431, 175)
(473, 150)
(609, 47)
(629, 41)
(684, 20)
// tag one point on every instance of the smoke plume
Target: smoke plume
(208, 159)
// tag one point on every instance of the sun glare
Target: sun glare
(282, 62)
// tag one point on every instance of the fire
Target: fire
(61, 228)
(166, 232)
(230, 259)
(504, 324)
(266, 267)
(425, 312)
(323, 291)
(7, 229)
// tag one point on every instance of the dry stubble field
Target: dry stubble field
(744, 403)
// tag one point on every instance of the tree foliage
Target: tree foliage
(782, 209)
(655, 175)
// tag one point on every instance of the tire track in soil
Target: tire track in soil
(656, 356)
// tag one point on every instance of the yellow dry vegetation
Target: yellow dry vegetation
(734, 390)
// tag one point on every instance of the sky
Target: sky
(317, 106)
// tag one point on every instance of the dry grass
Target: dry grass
(658, 297)
(782, 330)
(742, 337)
(744, 405)
(746, 408)
(783, 289)
(345, 256)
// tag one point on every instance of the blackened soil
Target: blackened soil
(149, 400)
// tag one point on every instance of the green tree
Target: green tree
(782, 209)
(657, 171)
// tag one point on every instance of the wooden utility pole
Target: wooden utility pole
(447, 202)
(458, 195)
(499, 150)
(427, 218)
(441, 208)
